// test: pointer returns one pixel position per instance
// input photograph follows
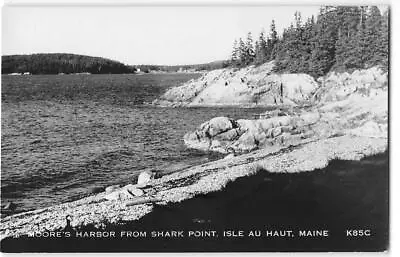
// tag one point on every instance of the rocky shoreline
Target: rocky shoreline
(342, 103)
(342, 195)
(197, 180)
(246, 87)
(347, 120)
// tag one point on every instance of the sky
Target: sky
(168, 35)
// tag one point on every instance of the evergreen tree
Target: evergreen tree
(261, 49)
(294, 52)
(357, 50)
(383, 49)
(235, 57)
(297, 18)
(307, 36)
(372, 36)
(272, 42)
(341, 37)
(242, 52)
(348, 23)
(250, 53)
(323, 54)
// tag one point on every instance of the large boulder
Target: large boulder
(133, 189)
(245, 143)
(119, 195)
(144, 177)
(197, 140)
(217, 126)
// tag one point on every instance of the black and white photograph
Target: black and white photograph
(195, 128)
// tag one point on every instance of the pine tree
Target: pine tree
(383, 50)
(308, 34)
(348, 19)
(372, 36)
(342, 37)
(242, 53)
(323, 54)
(235, 58)
(297, 18)
(294, 49)
(257, 54)
(250, 53)
(260, 49)
(357, 44)
(272, 42)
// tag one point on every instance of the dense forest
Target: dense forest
(61, 63)
(341, 37)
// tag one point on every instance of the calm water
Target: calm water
(65, 135)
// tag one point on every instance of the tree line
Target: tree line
(340, 38)
(61, 63)
(187, 67)
(56, 63)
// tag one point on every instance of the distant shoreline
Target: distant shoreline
(64, 63)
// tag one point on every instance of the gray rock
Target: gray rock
(276, 131)
(110, 189)
(229, 135)
(245, 143)
(286, 128)
(249, 86)
(133, 190)
(10, 206)
(218, 125)
(114, 196)
(197, 142)
(144, 177)
(120, 195)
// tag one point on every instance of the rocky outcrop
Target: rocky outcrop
(339, 86)
(247, 135)
(354, 104)
(249, 86)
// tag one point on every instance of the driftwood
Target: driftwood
(142, 201)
